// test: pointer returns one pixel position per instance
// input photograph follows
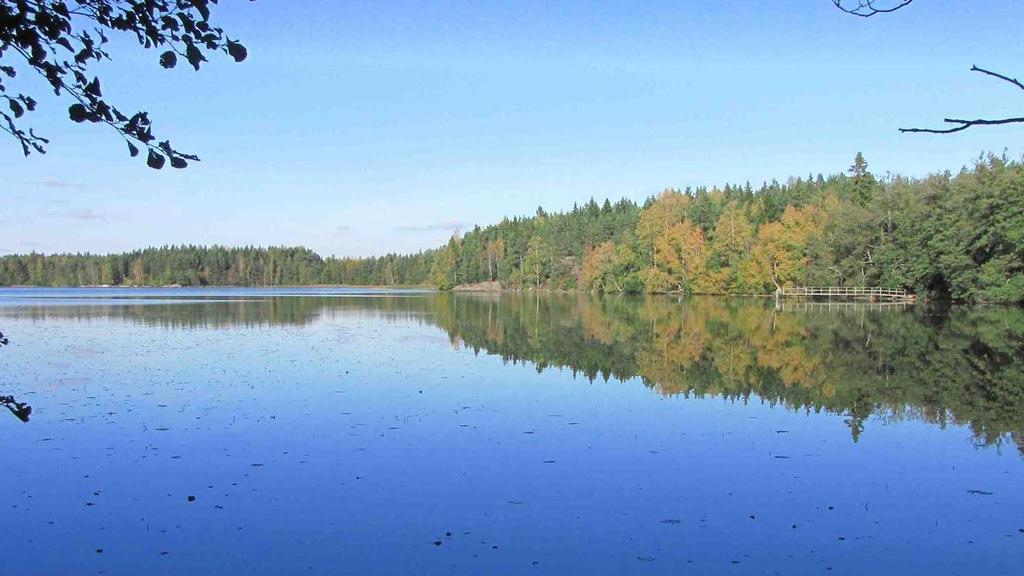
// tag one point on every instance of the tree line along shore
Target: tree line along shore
(952, 235)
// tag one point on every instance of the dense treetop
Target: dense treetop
(947, 235)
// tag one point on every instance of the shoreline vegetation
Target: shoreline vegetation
(492, 287)
(948, 236)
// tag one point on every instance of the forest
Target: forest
(956, 236)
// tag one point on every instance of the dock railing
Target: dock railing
(846, 293)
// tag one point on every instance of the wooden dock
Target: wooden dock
(868, 293)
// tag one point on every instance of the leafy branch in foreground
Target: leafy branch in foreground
(962, 124)
(59, 40)
(19, 409)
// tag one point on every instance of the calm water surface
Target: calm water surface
(380, 432)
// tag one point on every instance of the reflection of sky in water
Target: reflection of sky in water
(351, 442)
(147, 296)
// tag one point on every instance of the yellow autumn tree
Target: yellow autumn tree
(680, 260)
(789, 251)
(138, 278)
(730, 247)
(495, 254)
(667, 210)
(597, 263)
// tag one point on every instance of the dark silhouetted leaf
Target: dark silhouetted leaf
(169, 23)
(155, 161)
(178, 162)
(16, 108)
(195, 57)
(203, 8)
(133, 150)
(78, 113)
(94, 88)
(168, 59)
(237, 51)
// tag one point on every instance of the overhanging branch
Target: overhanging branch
(1013, 81)
(867, 8)
(962, 124)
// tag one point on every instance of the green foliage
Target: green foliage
(212, 266)
(537, 262)
(945, 236)
(444, 269)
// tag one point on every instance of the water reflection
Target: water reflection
(944, 366)
(959, 365)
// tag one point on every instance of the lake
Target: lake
(342, 431)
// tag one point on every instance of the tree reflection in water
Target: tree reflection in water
(956, 365)
(944, 366)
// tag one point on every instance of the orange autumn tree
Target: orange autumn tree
(610, 268)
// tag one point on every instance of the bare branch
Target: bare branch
(867, 8)
(964, 125)
(1013, 81)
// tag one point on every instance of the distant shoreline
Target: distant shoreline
(220, 287)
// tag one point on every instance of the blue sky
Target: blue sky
(365, 128)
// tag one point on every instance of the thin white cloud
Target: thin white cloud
(445, 225)
(62, 184)
(75, 213)
(84, 214)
